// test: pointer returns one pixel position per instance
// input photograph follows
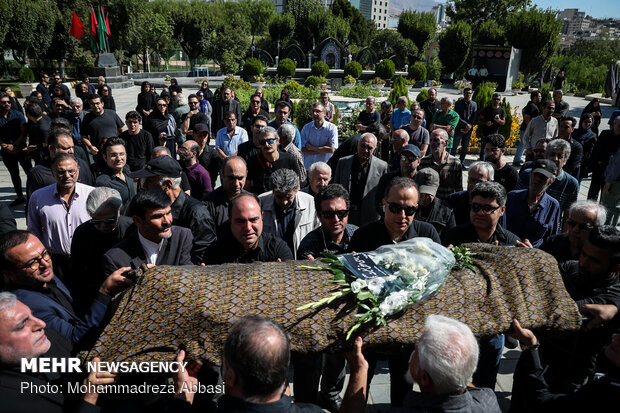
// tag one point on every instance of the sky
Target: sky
(598, 8)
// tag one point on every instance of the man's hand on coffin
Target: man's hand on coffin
(601, 314)
(523, 335)
(185, 380)
(525, 244)
(116, 282)
(96, 379)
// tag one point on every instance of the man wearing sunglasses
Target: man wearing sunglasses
(195, 116)
(253, 111)
(583, 217)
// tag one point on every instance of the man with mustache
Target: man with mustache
(447, 166)
(157, 241)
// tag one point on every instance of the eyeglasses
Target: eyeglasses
(341, 214)
(582, 227)
(408, 159)
(162, 105)
(486, 209)
(35, 263)
(396, 208)
(107, 221)
(256, 102)
(193, 103)
(6, 102)
(417, 117)
(538, 151)
(269, 141)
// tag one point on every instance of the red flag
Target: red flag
(77, 29)
(93, 22)
(107, 23)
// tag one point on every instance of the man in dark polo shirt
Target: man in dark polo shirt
(368, 116)
(138, 142)
(494, 151)
(193, 117)
(99, 124)
(245, 241)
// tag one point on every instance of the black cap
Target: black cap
(161, 166)
(545, 167)
(414, 150)
(201, 127)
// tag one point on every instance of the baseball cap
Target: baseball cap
(201, 127)
(411, 148)
(161, 166)
(545, 167)
(428, 181)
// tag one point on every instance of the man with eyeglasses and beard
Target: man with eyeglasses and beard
(195, 116)
(398, 224)
(92, 240)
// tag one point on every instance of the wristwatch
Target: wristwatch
(532, 347)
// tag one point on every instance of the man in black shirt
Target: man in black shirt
(494, 151)
(252, 147)
(221, 107)
(430, 105)
(432, 209)
(99, 124)
(190, 119)
(565, 130)
(245, 241)
(368, 116)
(38, 127)
(269, 160)
(138, 142)
(491, 118)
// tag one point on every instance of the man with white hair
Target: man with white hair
(583, 217)
(360, 175)
(442, 364)
(286, 133)
(447, 166)
(319, 176)
(445, 118)
(479, 171)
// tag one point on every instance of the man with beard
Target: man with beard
(360, 175)
(418, 134)
(430, 105)
(138, 142)
(447, 166)
(542, 126)
(490, 119)
(431, 209)
(223, 106)
(494, 152)
(583, 217)
(252, 147)
(199, 178)
(55, 211)
(573, 163)
(467, 110)
(156, 241)
(195, 116)
(233, 175)
(531, 213)
(99, 124)
(408, 166)
(282, 111)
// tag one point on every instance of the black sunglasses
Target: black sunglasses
(487, 209)
(267, 141)
(583, 227)
(396, 208)
(342, 213)
(108, 221)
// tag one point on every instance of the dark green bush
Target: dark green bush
(483, 95)
(314, 81)
(286, 68)
(353, 69)
(319, 69)
(26, 75)
(253, 67)
(385, 69)
(417, 71)
(422, 96)
(399, 89)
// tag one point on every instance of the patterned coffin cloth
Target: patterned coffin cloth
(193, 307)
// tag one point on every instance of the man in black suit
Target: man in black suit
(220, 107)
(157, 241)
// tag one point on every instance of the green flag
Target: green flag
(101, 30)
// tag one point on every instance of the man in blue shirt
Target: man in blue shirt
(282, 111)
(401, 114)
(531, 213)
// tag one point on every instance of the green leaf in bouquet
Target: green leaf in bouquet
(364, 295)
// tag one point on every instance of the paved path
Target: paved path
(379, 391)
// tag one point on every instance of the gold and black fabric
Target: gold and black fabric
(193, 307)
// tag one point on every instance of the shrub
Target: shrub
(26, 75)
(360, 91)
(286, 68)
(385, 69)
(319, 69)
(253, 67)
(314, 81)
(353, 69)
(483, 95)
(228, 63)
(506, 128)
(303, 112)
(236, 84)
(377, 81)
(434, 69)
(422, 96)
(349, 80)
(417, 71)
(399, 89)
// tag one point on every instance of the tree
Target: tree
(301, 10)
(536, 32)
(194, 26)
(419, 27)
(455, 46)
(388, 42)
(31, 28)
(473, 12)
(257, 13)
(361, 29)
(282, 27)
(231, 37)
(489, 32)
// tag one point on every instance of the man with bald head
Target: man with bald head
(245, 242)
(447, 166)
(400, 138)
(360, 175)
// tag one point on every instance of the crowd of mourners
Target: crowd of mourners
(194, 178)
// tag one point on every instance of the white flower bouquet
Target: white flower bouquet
(387, 280)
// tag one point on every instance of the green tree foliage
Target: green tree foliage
(194, 24)
(258, 13)
(231, 35)
(353, 69)
(228, 62)
(489, 32)
(422, 96)
(505, 129)
(286, 68)
(361, 29)
(417, 71)
(419, 27)
(30, 32)
(314, 81)
(536, 32)
(319, 69)
(399, 89)
(282, 26)
(385, 69)
(434, 68)
(6, 13)
(473, 12)
(388, 42)
(301, 10)
(322, 23)
(26, 75)
(483, 95)
(252, 67)
(455, 46)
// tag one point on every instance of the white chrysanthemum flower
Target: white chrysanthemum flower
(357, 285)
(375, 285)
